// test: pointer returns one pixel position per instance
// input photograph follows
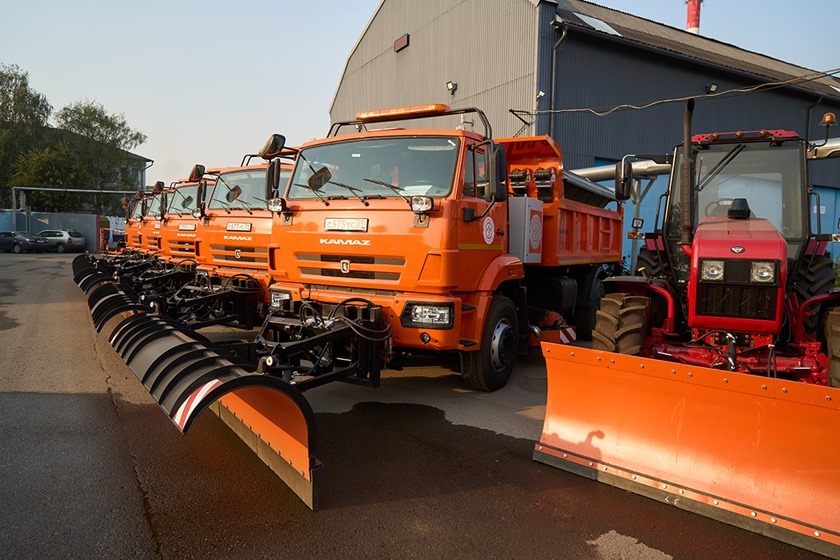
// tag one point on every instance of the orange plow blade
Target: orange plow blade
(185, 375)
(760, 453)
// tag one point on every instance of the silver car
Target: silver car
(62, 240)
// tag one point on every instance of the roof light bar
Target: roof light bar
(397, 113)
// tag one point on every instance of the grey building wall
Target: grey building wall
(488, 47)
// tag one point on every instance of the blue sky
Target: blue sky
(209, 81)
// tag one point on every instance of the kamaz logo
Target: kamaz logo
(238, 237)
(358, 242)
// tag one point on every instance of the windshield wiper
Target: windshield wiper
(394, 188)
(314, 191)
(353, 190)
(715, 171)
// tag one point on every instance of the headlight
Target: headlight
(276, 204)
(421, 204)
(196, 213)
(428, 315)
(763, 272)
(712, 270)
(278, 298)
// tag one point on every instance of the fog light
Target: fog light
(278, 298)
(276, 204)
(425, 338)
(421, 204)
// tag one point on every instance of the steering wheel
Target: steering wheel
(713, 207)
(420, 182)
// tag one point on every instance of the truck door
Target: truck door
(482, 236)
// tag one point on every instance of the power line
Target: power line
(730, 92)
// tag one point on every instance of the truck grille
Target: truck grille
(154, 243)
(239, 254)
(749, 302)
(352, 266)
(182, 248)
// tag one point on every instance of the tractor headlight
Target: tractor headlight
(428, 315)
(711, 270)
(278, 298)
(763, 272)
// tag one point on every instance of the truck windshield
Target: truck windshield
(154, 206)
(376, 168)
(239, 190)
(183, 200)
(136, 209)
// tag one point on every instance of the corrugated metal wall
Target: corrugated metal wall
(488, 47)
(86, 224)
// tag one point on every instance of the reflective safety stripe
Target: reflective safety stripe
(189, 405)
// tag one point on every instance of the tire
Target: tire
(586, 315)
(816, 280)
(16, 248)
(489, 367)
(621, 324)
(831, 330)
(60, 248)
(651, 264)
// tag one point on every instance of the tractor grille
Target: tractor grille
(352, 266)
(233, 254)
(749, 302)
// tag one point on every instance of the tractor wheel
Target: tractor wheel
(652, 264)
(831, 330)
(622, 323)
(489, 367)
(817, 279)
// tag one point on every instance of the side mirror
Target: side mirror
(500, 175)
(623, 179)
(272, 180)
(158, 188)
(319, 179)
(197, 173)
(273, 146)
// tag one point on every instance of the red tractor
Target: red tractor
(733, 278)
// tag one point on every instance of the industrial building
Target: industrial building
(560, 67)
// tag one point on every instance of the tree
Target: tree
(23, 119)
(103, 140)
(54, 167)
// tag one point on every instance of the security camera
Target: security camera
(540, 94)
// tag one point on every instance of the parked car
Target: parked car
(19, 241)
(62, 240)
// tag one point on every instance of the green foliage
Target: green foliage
(55, 167)
(23, 118)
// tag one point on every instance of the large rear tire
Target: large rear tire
(621, 324)
(652, 264)
(489, 367)
(816, 280)
(831, 330)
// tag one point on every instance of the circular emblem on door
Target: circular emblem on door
(488, 230)
(737, 249)
(237, 254)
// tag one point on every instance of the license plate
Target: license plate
(345, 224)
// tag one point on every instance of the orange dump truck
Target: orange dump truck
(385, 243)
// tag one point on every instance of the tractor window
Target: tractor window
(475, 174)
(374, 168)
(771, 178)
(239, 190)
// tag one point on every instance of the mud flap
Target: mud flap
(185, 376)
(759, 453)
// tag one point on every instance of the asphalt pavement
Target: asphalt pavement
(420, 468)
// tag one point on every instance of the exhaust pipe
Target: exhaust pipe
(687, 179)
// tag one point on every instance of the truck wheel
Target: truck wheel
(831, 329)
(621, 324)
(817, 279)
(489, 367)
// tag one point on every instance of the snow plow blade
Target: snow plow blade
(185, 376)
(756, 452)
(108, 300)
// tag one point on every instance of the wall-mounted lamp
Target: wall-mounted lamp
(711, 88)
(452, 87)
